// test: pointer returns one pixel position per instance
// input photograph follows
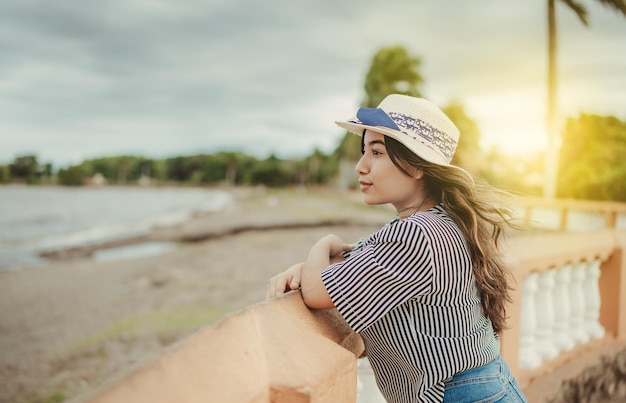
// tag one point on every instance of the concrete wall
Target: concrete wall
(276, 351)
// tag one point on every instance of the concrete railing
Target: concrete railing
(569, 299)
(570, 215)
(274, 351)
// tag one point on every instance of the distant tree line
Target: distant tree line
(591, 162)
(230, 168)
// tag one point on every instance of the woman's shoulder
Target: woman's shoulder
(435, 220)
(419, 224)
(434, 215)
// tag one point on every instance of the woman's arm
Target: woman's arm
(325, 251)
(307, 275)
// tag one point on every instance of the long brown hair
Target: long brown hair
(476, 208)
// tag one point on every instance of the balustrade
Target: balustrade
(570, 215)
(560, 308)
(569, 301)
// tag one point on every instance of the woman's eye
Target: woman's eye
(372, 151)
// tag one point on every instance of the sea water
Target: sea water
(34, 219)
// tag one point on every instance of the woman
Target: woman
(427, 292)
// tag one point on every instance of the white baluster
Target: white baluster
(545, 315)
(577, 304)
(561, 336)
(528, 357)
(621, 221)
(367, 390)
(592, 300)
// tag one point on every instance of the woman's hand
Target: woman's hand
(327, 250)
(284, 282)
(336, 247)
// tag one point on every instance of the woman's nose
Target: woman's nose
(361, 166)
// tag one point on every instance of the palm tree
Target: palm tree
(551, 115)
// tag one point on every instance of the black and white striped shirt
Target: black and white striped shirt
(411, 294)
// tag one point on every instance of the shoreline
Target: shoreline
(73, 324)
(200, 227)
(76, 222)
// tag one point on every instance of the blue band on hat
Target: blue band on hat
(376, 117)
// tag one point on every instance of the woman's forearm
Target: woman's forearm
(313, 290)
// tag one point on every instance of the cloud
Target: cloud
(85, 78)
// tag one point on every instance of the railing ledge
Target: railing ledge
(277, 350)
(542, 251)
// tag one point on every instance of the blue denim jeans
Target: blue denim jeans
(493, 382)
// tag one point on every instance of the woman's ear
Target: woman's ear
(419, 174)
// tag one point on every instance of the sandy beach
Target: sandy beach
(71, 325)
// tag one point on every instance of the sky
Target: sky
(83, 79)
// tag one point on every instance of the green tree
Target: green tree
(271, 172)
(123, 169)
(159, 171)
(5, 175)
(73, 176)
(185, 169)
(245, 165)
(120, 169)
(175, 168)
(317, 168)
(106, 166)
(231, 161)
(552, 113)
(25, 168)
(592, 159)
(143, 168)
(392, 71)
(213, 169)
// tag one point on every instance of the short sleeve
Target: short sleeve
(394, 265)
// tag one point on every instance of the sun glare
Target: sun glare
(514, 123)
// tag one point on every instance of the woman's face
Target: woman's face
(381, 181)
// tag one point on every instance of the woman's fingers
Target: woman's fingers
(294, 284)
(272, 286)
(278, 285)
(286, 281)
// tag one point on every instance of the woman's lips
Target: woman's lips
(364, 185)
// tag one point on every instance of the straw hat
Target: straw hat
(415, 122)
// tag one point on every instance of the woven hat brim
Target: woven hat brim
(419, 148)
